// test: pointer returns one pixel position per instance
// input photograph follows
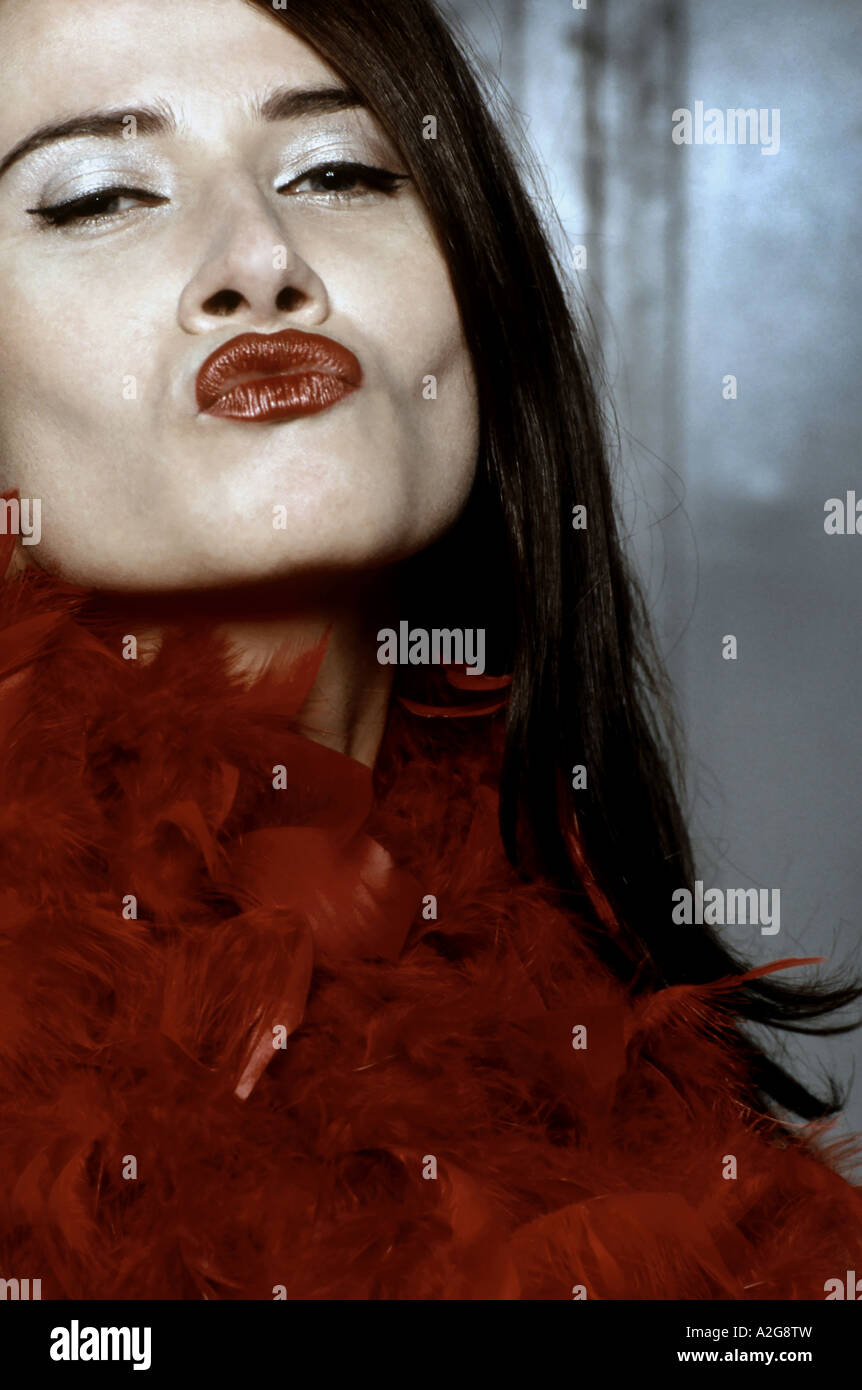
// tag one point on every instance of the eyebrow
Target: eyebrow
(282, 104)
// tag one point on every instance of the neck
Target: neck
(268, 627)
(347, 706)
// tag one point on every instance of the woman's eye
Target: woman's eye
(336, 181)
(101, 205)
(345, 181)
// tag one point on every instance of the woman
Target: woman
(319, 984)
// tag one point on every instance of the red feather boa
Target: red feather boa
(428, 1130)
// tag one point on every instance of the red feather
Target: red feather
(333, 1027)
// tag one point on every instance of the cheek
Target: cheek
(73, 378)
(444, 418)
(410, 310)
(415, 306)
(61, 353)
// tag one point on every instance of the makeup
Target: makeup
(266, 377)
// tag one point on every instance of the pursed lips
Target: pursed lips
(278, 376)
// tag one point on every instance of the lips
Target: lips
(276, 376)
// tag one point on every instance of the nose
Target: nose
(250, 271)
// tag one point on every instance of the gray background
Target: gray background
(702, 261)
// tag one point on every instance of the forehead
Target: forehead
(59, 57)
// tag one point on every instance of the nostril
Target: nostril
(289, 298)
(225, 302)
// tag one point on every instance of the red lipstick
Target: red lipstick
(276, 376)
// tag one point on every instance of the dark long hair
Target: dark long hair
(565, 612)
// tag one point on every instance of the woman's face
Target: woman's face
(131, 251)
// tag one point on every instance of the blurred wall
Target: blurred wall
(705, 261)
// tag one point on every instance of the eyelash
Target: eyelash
(63, 214)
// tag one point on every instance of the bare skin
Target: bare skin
(108, 314)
